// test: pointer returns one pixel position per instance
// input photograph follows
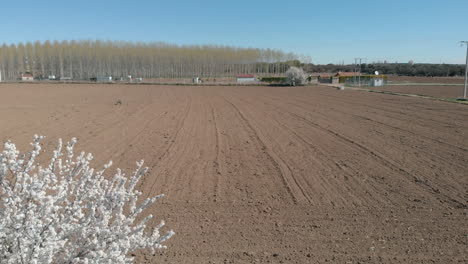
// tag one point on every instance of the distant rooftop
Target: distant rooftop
(339, 74)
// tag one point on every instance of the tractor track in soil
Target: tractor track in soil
(271, 174)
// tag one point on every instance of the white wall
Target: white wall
(246, 80)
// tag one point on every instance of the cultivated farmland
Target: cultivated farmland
(439, 87)
(415, 79)
(437, 91)
(271, 174)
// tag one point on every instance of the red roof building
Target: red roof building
(27, 77)
(346, 74)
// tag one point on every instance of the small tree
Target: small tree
(67, 212)
(296, 76)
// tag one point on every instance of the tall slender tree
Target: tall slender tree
(84, 59)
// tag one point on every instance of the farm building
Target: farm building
(356, 79)
(104, 79)
(246, 78)
(325, 78)
(196, 80)
(27, 77)
(346, 74)
(378, 81)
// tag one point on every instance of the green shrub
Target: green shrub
(342, 79)
(273, 79)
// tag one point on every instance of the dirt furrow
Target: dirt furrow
(167, 148)
(271, 174)
(282, 169)
(217, 147)
(419, 178)
(389, 163)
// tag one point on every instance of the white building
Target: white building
(27, 77)
(104, 79)
(377, 82)
(246, 78)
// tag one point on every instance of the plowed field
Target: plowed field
(415, 79)
(272, 174)
(439, 91)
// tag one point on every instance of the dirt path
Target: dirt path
(272, 174)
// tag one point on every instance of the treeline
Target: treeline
(407, 69)
(82, 60)
(419, 69)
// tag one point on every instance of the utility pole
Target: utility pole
(354, 71)
(360, 62)
(466, 68)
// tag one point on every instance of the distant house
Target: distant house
(246, 78)
(346, 74)
(104, 79)
(346, 77)
(377, 82)
(196, 80)
(357, 79)
(27, 77)
(325, 78)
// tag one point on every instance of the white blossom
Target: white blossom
(68, 212)
(296, 76)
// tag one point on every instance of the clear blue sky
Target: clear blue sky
(328, 31)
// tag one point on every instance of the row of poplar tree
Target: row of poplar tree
(85, 59)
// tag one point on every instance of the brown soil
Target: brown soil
(449, 91)
(272, 174)
(415, 79)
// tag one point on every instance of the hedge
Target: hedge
(342, 79)
(273, 79)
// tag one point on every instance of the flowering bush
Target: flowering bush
(296, 76)
(67, 212)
